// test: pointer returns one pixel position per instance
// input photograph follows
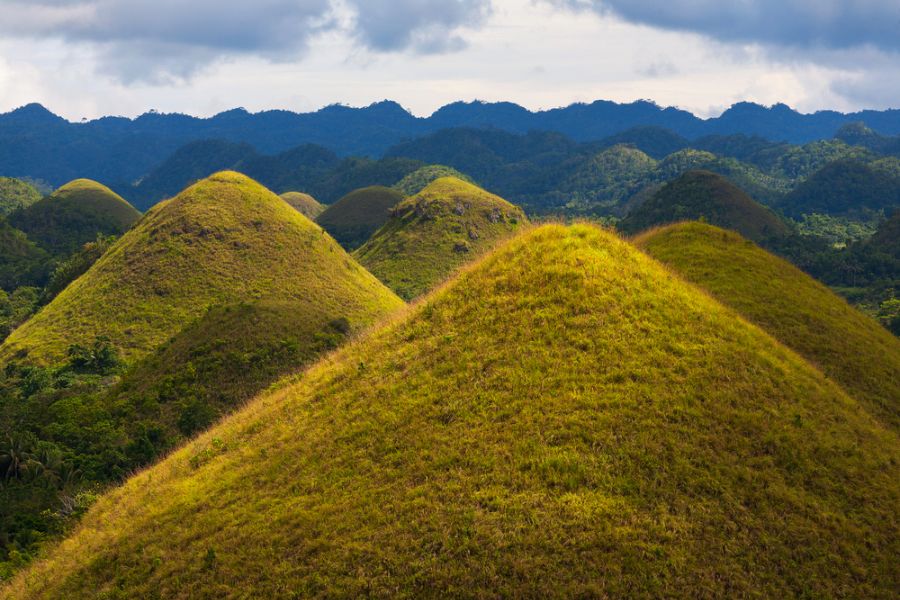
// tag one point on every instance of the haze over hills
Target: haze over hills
(485, 442)
(800, 312)
(704, 195)
(74, 215)
(354, 218)
(224, 240)
(39, 144)
(428, 236)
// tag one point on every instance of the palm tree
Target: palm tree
(15, 457)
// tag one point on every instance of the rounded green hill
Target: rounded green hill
(428, 236)
(223, 240)
(804, 315)
(419, 179)
(705, 195)
(565, 419)
(74, 215)
(304, 204)
(354, 218)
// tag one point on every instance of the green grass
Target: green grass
(222, 241)
(16, 194)
(563, 419)
(430, 235)
(848, 346)
(419, 179)
(308, 206)
(73, 215)
(706, 195)
(354, 218)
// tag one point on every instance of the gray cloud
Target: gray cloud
(836, 24)
(160, 40)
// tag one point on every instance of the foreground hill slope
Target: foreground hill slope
(354, 218)
(703, 194)
(563, 419)
(805, 315)
(444, 226)
(73, 215)
(224, 240)
(305, 204)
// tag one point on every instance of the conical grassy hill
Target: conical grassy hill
(354, 218)
(710, 196)
(224, 240)
(419, 179)
(305, 204)
(564, 419)
(444, 226)
(73, 215)
(806, 316)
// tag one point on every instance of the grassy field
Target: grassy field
(564, 419)
(848, 346)
(222, 241)
(304, 203)
(73, 215)
(354, 218)
(446, 225)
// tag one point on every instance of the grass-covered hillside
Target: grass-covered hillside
(354, 218)
(846, 345)
(428, 236)
(225, 239)
(73, 215)
(419, 179)
(706, 195)
(16, 194)
(565, 419)
(304, 204)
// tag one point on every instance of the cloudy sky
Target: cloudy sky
(86, 58)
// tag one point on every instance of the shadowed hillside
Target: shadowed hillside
(225, 239)
(444, 226)
(354, 218)
(73, 215)
(844, 187)
(524, 432)
(803, 314)
(709, 196)
(305, 204)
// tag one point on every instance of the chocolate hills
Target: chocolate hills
(566, 418)
(354, 218)
(847, 346)
(706, 195)
(74, 215)
(305, 204)
(447, 224)
(224, 240)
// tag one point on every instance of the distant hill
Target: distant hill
(565, 419)
(224, 240)
(803, 314)
(74, 215)
(844, 187)
(16, 194)
(657, 142)
(22, 263)
(419, 179)
(305, 204)
(446, 225)
(354, 218)
(704, 195)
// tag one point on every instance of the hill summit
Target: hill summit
(444, 226)
(523, 432)
(224, 240)
(705, 195)
(74, 215)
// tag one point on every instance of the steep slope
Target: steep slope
(845, 188)
(16, 194)
(702, 194)
(73, 215)
(428, 236)
(851, 348)
(564, 419)
(354, 218)
(225, 239)
(419, 179)
(305, 204)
